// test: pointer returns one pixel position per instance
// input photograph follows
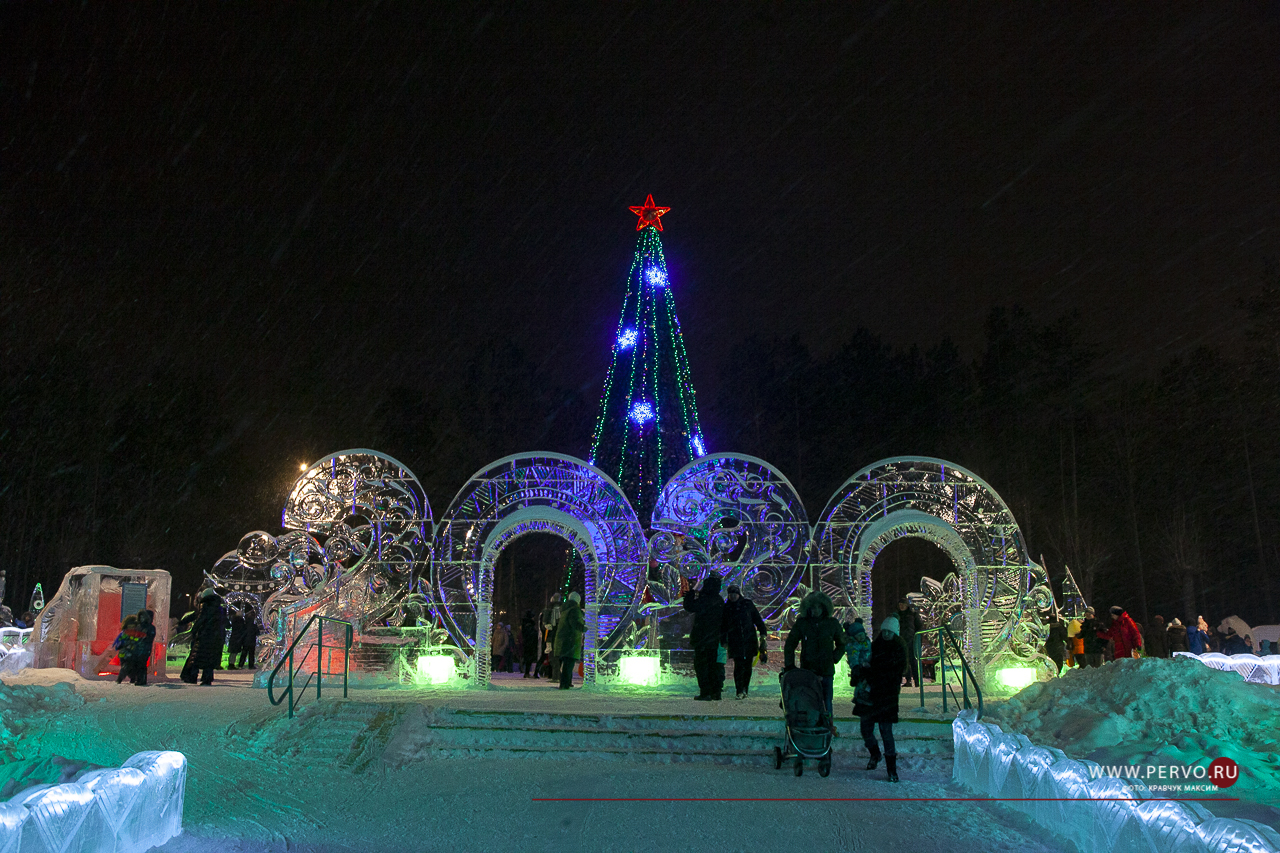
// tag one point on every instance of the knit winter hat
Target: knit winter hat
(1116, 611)
(1088, 611)
(209, 592)
(890, 625)
(733, 587)
(575, 598)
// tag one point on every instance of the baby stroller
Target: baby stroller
(808, 730)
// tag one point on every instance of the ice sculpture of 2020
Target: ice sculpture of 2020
(1092, 811)
(1258, 670)
(998, 591)
(130, 808)
(360, 544)
(739, 517)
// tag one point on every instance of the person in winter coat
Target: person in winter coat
(550, 617)
(821, 641)
(131, 636)
(1234, 644)
(569, 631)
(1055, 645)
(529, 639)
(876, 699)
(1092, 644)
(208, 633)
(1198, 637)
(1123, 632)
(497, 647)
(707, 608)
(909, 625)
(1176, 637)
(142, 650)
(1155, 640)
(857, 651)
(239, 627)
(743, 633)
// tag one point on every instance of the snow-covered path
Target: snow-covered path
(250, 786)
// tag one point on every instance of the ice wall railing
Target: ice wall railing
(1094, 812)
(123, 809)
(1258, 670)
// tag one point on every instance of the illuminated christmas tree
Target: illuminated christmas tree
(648, 427)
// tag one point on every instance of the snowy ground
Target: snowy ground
(372, 773)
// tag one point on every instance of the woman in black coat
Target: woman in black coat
(743, 633)
(876, 700)
(208, 634)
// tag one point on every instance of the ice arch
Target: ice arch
(996, 582)
(537, 493)
(737, 516)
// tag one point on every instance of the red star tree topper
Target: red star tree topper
(650, 214)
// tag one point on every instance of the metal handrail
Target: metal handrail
(945, 635)
(289, 692)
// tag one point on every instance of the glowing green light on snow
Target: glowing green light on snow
(435, 669)
(639, 669)
(1016, 677)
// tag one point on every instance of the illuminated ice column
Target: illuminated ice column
(589, 641)
(972, 641)
(484, 632)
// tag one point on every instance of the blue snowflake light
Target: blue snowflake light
(627, 339)
(642, 412)
(697, 446)
(656, 277)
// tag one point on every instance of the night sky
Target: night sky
(351, 195)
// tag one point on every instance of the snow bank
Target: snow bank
(1111, 813)
(1154, 711)
(130, 808)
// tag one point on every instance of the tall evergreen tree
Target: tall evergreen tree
(648, 426)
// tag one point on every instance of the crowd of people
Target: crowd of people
(1089, 641)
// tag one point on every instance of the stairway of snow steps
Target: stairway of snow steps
(1094, 812)
(117, 810)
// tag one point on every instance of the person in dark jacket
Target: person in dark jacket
(131, 636)
(529, 643)
(1155, 640)
(242, 646)
(1055, 645)
(1177, 637)
(569, 631)
(208, 633)
(909, 625)
(707, 608)
(821, 641)
(876, 699)
(1234, 644)
(142, 651)
(236, 640)
(1093, 645)
(743, 633)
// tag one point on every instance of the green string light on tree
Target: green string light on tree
(648, 425)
